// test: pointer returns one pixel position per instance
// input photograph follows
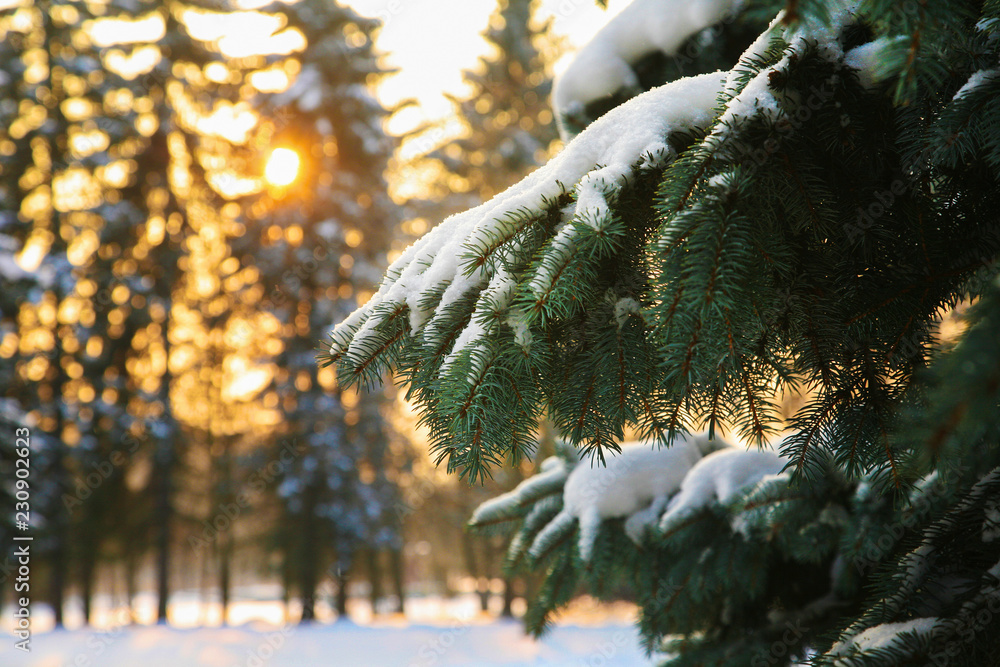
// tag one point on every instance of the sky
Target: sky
(432, 42)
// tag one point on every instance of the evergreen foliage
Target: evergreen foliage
(807, 232)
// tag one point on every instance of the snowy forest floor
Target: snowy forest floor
(457, 636)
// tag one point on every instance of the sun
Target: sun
(282, 167)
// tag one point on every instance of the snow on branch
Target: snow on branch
(604, 65)
(886, 636)
(629, 482)
(464, 257)
(514, 503)
(636, 484)
(541, 281)
(718, 478)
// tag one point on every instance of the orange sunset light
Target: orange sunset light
(282, 167)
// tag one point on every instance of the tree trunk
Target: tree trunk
(61, 523)
(308, 607)
(57, 586)
(130, 569)
(374, 579)
(308, 554)
(225, 575)
(87, 571)
(341, 599)
(308, 581)
(398, 579)
(473, 565)
(226, 537)
(164, 513)
(508, 597)
(286, 581)
(204, 572)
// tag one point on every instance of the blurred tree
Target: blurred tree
(16, 284)
(120, 337)
(188, 293)
(134, 333)
(51, 192)
(103, 116)
(320, 242)
(508, 117)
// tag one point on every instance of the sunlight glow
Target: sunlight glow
(131, 64)
(113, 31)
(232, 122)
(242, 381)
(242, 34)
(282, 167)
(429, 75)
(273, 80)
(209, 26)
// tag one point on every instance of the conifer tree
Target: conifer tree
(121, 403)
(110, 276)
(320, 244)
(12, 417)
(799, 221)
(48, 200)
(508, 119)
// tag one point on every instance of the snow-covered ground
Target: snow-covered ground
(347, 644)
(438, 634)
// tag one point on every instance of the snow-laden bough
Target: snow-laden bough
(640, 475)
(651, 487)
(718, 478)
(448, 264)
(604, 65)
